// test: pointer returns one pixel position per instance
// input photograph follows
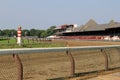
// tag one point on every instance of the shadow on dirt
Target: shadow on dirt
(76, 75)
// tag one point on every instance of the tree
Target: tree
(25, 32)
(1, 33)
(39, 33)
(44, 33)
(13, 32)
(50, 31)
(7, 32)
(33, 32)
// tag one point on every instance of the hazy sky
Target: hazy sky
(41, 14)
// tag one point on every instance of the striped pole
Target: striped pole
(19, 32)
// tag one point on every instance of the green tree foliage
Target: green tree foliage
(31, 32)
(25, 32)
(44, 34)
(50, 31)
(8, 33)
(1, 32)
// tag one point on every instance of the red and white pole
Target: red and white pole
(19, 35)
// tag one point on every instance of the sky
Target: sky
(41, 14)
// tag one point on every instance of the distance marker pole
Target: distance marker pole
(19, 32)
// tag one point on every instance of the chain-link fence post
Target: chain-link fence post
(19, 66)
(72, 62)
(106, 58)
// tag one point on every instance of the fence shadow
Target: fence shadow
(76, 75)
(90, 74)
(62, 78)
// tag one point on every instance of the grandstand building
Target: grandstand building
(91, 31)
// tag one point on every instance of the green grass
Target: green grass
(11, 43)
(8, 41)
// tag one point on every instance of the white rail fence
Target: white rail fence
(54, 49)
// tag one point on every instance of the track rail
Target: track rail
(54, 49)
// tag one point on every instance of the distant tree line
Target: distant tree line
(31, 32)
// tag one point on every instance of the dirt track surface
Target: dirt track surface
(48, 66)
(90, 43)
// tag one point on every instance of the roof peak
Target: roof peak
(91, 22)
(112, 21)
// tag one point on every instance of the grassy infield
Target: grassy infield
(11, 43)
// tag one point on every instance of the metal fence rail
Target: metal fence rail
(68, 50)
(54, 49)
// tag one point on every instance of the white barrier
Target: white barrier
(53, 49)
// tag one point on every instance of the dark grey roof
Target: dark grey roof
(91, 25)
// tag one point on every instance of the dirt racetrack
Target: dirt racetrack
(46, 66)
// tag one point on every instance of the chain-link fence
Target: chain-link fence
(8, 69)
(56, 63)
